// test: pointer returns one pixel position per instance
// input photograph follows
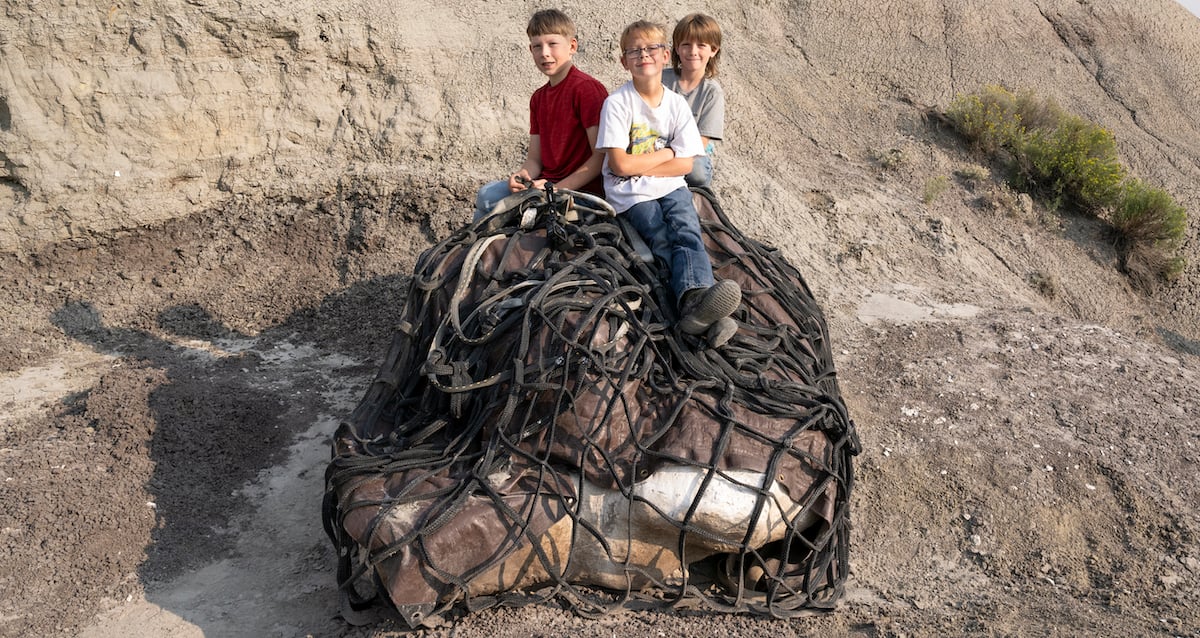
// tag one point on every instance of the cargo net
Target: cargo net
(541, 431)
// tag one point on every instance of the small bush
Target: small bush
(1043, 283)
(1149, 226)
(1074, 164)
(1149, 215)
(973, 174)
(891, 159)
(996, 118)
(934, 187)
(989, 119)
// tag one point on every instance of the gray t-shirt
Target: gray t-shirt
(707, 102)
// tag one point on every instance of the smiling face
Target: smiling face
(694, 56)
(696, 37)
(644, 56)
(552, 54)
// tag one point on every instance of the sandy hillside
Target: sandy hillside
(208, 211)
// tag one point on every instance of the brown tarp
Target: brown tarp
(526, 357)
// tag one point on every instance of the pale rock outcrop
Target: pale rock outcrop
(117, 116)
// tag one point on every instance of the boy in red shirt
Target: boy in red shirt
(563, 118)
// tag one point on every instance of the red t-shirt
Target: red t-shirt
(560, 115)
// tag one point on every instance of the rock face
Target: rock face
(121, 117)
(184, 103)
(115, 118)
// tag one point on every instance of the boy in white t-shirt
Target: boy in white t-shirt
(650, 138)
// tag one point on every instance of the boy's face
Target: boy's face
(645, 57)
(552, 54)
(694, 56)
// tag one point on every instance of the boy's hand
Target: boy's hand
(524, 182)
(520, 180)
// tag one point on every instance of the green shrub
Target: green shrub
(1075, 164)
(996, 118)
(972, 173)
(1149, 215)
(1068, 162)
(988, 119)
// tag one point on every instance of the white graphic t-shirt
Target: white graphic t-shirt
(627, 122)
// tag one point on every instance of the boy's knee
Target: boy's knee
(702, 172)
(680, 201)
(487, 196)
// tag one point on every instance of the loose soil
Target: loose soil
(168, 397)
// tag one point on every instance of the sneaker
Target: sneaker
(721, 332)
(701, 308)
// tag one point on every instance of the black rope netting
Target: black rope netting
(540, 429)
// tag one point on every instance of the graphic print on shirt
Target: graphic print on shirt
(643, 139)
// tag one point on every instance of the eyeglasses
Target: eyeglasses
(635, 54)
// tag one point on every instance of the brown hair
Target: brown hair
(646, 29)
(697, 27)
(550, 22)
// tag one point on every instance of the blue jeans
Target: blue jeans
(487, 197)
(702, 171)
(672, 228)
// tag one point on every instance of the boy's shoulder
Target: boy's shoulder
(586, 83)
(621, 98)
(713, 86)
(625, 91)
(575, 80)
(675, 100)
(578, 87)
(583, 76)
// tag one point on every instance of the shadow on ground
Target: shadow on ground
(213, 444)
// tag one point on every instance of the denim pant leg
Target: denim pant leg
(488, 195)
(672, 228)
(647, 218)
(702, 171)
(691, 266)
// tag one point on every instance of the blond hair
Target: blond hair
(550, 22)
(697, 27)
(645, 29)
